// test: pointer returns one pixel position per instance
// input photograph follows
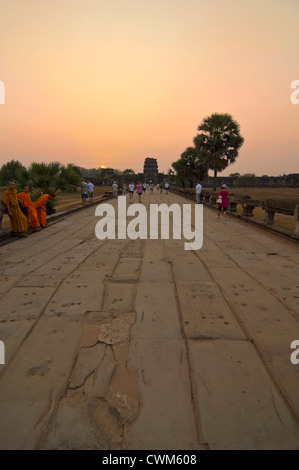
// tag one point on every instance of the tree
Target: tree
(248, 180)
(190, 167)
(128, 175)
(75, 168)
(9, 172)
(47, 178)
(219, 140)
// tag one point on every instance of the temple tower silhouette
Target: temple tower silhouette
(150, 170)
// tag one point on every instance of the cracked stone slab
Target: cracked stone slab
(205, 312)
(157, 313)
(236, 402)
(42, 366)
(118, 329)
(104, 374)
(87, 362)
(84, 425)
(165, 419)
(127, 406)
(123, 392)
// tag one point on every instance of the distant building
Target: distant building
(108, 177)
(150, 170)
(284, 181)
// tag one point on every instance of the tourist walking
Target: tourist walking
(90, 188)
(166, 187)
(139, 191)
(151, 187)
(222, 201)
(115, 189)
(131, 190)
(84, 191)
(198, 190)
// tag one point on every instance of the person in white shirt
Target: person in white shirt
(166, 187)
(198, 190)
(131, 190)
(90, 188)
(114, 189)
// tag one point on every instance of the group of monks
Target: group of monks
(36, 212)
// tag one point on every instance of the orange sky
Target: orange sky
(111, 82)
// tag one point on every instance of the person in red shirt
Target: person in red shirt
(223, 205)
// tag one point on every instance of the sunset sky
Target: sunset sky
(111, 82)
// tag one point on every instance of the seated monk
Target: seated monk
(25, 199)
(40, 207)
(18, 220)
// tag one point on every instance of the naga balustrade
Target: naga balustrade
(271, 206)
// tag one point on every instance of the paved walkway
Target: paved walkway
(123, 344)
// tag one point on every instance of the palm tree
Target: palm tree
(219, 140)
(49, 178)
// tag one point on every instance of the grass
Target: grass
(69, 200)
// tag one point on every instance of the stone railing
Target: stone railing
(271, 206)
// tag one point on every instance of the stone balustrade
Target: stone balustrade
(271, 206)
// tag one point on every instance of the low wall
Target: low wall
(289, 207)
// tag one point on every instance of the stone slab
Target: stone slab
(271, 326)
(79, 293)
(205, 312)
(42, 367)
(88, 424)
(237, 404)
(165, 419)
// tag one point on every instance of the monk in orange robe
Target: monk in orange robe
(25, 199)
(18, 220)
(40, 207)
